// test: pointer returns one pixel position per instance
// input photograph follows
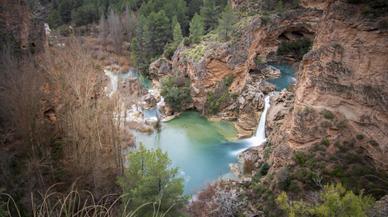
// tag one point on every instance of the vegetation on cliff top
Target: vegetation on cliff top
(333, 201)
(219, 97)
(176, 92)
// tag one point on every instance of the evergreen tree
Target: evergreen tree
(151, 180)
(138, 44)
(280, 6)
(226, 22)
(196, 28)
(158, 33)
(194, 6)
(177, 32)
(210, 14)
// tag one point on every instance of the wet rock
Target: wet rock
(271, 72)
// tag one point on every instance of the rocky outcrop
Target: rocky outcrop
(345, 73)
(243, 58)
(22, 26)
(160, 68)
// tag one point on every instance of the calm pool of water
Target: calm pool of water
(200, 148)
(287, 77)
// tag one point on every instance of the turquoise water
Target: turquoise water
(287, 77)
(201, 149)
(144, 81)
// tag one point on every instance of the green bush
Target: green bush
(335, 201)
(54, 19)
(264, 168)
(300, 158)
(325, 141)
(176, 92)
(187, 41)
(170, 49)
(220, 96)
(297, 48)
(327, 114)
(360, 136)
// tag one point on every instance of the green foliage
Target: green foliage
(374, 8)
(335, 201)
(151, 36)
(85, 14)
(325, 141)
(301, 158)
(157, 33)
(169, 50)
(280, 6)
(195, 53)
(176, 92)
(264, 169)
(267, 152)
(151, 181)
(209, 14)
(297, 48)
(327, 114)
(54, 19)
(226, 22)
(196, 28)
(177, 32)
(360, 136)
(220, 96)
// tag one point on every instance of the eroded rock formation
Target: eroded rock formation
(22, 26)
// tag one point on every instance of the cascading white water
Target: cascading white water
(259, 137)
(260, 132)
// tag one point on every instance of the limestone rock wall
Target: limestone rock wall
(22, 25)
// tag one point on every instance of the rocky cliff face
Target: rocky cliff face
(345, 75)
(244, 58)
(22, 25)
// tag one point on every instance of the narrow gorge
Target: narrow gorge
(201, 108)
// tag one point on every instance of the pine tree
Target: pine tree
(151, 179)
(177, 31)
(139, 54)
(226, 22)
(210, 14)
(159, 32)
(280, 6)
(196, 28)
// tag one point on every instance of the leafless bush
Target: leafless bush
(217, 200)
(117, 28)
(87, 120)
(21, 98)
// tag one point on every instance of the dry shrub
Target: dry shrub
(25, 156)
(218, 199)
(249, 166)
(86, 117)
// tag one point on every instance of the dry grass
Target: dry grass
(74, 203)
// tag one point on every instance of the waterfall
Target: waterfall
(260, 133)
(259, 137)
